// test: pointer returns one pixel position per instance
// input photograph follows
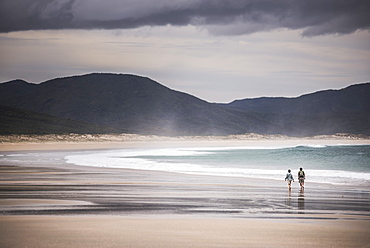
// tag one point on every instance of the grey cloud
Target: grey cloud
(35, 15)
(219, 17)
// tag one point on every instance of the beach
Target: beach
(55, 204)
(118, 231)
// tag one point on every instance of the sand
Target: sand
(89, 145)
(59, 205)
(164, 231)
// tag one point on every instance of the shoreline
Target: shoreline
(55, 204)
(35, 188)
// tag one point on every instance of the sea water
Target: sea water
(339, 164)
(335, 164)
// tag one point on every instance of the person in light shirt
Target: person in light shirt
(289, 178)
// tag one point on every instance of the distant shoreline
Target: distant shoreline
(37, 138)
(125, 141)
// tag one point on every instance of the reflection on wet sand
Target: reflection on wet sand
(301, 201)
(288, 200)
(292, 204)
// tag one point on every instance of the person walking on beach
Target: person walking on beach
(289, 178)
(301, 177)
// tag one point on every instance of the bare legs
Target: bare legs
(290, 184)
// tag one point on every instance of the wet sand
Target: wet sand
(61, 205)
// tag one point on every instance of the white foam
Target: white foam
(134, 159)
(312, 146)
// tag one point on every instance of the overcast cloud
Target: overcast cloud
(217, 50)
(219, 17)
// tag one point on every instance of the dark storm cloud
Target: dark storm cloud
(220, 17)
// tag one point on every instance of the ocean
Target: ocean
(334, 164)
(338, 164)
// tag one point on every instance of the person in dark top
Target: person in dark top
(301, 177)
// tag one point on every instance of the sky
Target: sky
(217, 50)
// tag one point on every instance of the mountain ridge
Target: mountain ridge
(144, 106)
(268, 103)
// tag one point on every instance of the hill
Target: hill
(128, 102)
(325, 112)
(18, 121)
(355, 98)
(121, 102)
